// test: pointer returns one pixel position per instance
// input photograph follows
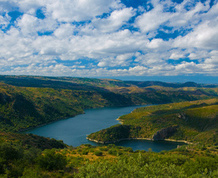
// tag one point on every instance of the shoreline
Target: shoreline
(149, 139)
(47, 123)
(119, 120)
(144, 105)
(181, 141)
(65, 118)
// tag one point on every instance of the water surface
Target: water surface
(73, 131)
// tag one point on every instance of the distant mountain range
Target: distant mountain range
(72, 82)
(173, 85)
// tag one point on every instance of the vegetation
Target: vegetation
(115, 133)
(51, 161)
(31, 141)
(27, 102)
(149, 164)
(25, 107)
(194, 121)
(107, 161)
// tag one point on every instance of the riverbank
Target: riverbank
(47, 123)
(109, 142)
(149, 139)
(65, 118)
(120, 121)
(180, 141)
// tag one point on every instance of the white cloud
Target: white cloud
(176, 55)
(30, 25)
(120, 60)
(107, 45)
(205, 36)
(78, 10)
(138, 70)
(123, 57)
(151, 20)
(64, 31)
(116, 19)
(4, 21)
(107, 49)
(198, 54)
(181, 17)
(6, 5)
(158, 44)
(65, 10)
(151, 59)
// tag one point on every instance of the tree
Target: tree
(50, 160)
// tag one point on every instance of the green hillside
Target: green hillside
(27, 101)
(29, 141)
(194, 121)
(27, 160)
(25, 107)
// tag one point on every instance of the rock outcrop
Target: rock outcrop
(165, 133)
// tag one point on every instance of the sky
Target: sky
(174, 40)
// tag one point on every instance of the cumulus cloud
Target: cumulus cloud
(64, 31)
(116, 19)
(4, 21)
(78, 10)
(31, 25)
(151, 20)
(105, 37)
(205, 36)
(176, 55)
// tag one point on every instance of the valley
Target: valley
(185, 112)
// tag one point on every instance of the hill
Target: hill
(28, 101)
(194, 121)
(27, 141)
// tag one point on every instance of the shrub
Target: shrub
(98, 153)
(103, 149)
(129, 149)
(1, 167)
(50, 160)
(112, 152)
(111, 146)
(85, 152)
(9, 152)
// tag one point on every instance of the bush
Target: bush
(103, 149)
(98, 153)
(111, 146)
(112, 152)
(50, 160)
(128, 149)
(2, 170)
(9, 152)
(88, 145)
(85, 152)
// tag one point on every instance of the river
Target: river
(73, 131)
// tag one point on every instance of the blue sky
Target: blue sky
(175, 40)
